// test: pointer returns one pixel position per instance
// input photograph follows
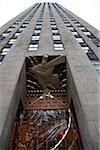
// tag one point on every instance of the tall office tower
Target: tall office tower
(49, 81)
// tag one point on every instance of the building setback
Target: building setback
(46, 40)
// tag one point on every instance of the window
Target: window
(12, 41)
(73, 30)
(37, 31)
(53, 26)
(17, 22)
(57, 42)
(18, 31)
(5, 50)
(35, 37)
(93, 38)
(96, 64)
(38, 28)
(73, 20)
(92, 56)
(74, 33)
(24, 25)
(34, 41)
(10, 29)
(54, 31)
(40, 20)
(14, 25)
(27, 22)
(53, 23)
(36, 34)
(55, 34)
(28, 19)
(21, 29)
(8, 45)
(80, 40)
(90, 36)
(58, 46)
(96, 41)
(77, 36)
(5, 34)
(85, 49)
(4, 53)
(82, 28)
(68, 24)
(52, 20)
(87, 33)
(78, 24)
(83, 44)
(57, 37)
(70, 28)
(33, 47)
(17, 34)
(39, 23)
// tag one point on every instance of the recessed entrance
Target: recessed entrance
(47, 119)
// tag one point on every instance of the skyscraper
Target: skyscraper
(49, 81)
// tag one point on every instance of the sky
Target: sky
(88, 10)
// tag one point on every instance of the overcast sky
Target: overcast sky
(89, 10)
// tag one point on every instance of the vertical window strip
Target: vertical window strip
(13, 39)
(34, 43)
(57, 42)
(89, 52)
(91, 37)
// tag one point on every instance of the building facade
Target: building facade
(49, 53)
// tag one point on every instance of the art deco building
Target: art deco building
(49, 81)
